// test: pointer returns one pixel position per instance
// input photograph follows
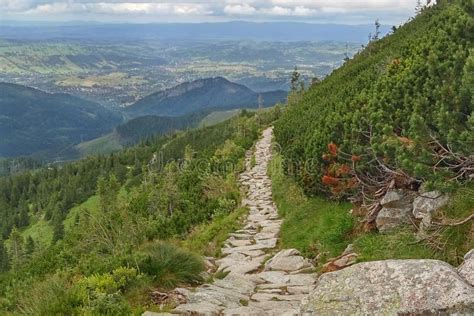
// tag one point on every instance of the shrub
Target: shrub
(55, 295)
(169, 265)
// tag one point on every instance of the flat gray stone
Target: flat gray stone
(243, 310)
(237, 283)
(201, 308)
(287, 260)
(276, 277)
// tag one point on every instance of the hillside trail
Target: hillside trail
(261, 280)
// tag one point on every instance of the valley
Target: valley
(119, 73)
(237, 168)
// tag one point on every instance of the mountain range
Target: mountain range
(33, 122)
(236, 30)
(202, 94)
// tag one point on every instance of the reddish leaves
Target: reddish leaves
(332, 149)
(338, 176)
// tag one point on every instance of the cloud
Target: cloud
(121, 8)
(238, 9)
(246, 9)
(346, 11)
(15, 5)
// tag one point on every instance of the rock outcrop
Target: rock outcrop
(391, 287)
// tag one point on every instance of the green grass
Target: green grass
(459, 239)
(312, 225)
(102, 145)
(218, 117)
(169, 265)
(400, 244)
(91, 204)
(315, 226)
(207, 239)
(40, 231)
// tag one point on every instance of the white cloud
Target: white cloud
(15, 5)
(345, 11)
(123, 8)
(239, 9)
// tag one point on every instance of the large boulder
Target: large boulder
(396, 210)
(391, 287)
(466, 269)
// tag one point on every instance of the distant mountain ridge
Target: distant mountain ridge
(202, 94)
(236, 30)
(33, 121)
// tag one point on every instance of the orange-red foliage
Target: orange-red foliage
(355, 158)
(328, 180)
(332, 149)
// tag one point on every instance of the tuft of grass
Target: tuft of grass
(169, 265)
(55, 295)
(253, 161)
(399, 244)
(458, 239)
(312, 225)
(208, 239)
(221, 274)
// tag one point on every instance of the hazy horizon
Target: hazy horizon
(389, 12)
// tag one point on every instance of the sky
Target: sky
(391, 12)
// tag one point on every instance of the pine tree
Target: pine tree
(30, 246)
(4, 259)
(295, 80)
(16, 253)
(58, 231)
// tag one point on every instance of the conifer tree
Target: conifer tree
(16, 252)
(30, 246)
(4, 259)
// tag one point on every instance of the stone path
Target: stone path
(259, 282)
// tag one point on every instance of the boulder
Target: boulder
(396, 199)
(391, 287)
(425, 205)
(390, 218)
(428, 203)
(466, 269)
(396, 210)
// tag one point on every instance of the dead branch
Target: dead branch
(464, 221)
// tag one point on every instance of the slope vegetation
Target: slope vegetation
(33, 121)
(398, 103)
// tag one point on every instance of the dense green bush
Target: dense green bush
(390, 101)
(169, 265)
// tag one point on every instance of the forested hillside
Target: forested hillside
(87, 237)
(36, 122)
(400, 110)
